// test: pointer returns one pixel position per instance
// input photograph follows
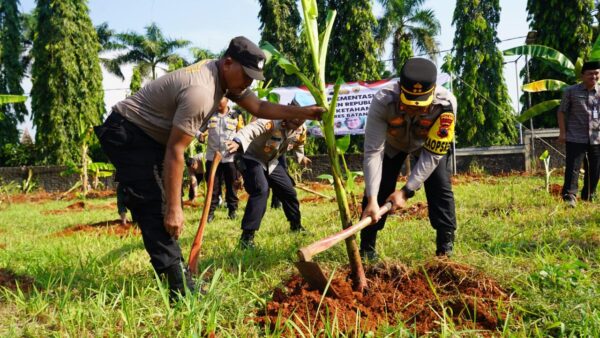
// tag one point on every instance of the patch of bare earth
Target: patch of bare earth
(13, 281)
(80, 206)
(101, 228)
(421, 299)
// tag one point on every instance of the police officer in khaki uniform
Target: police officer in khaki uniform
(221, 127)
(146, 135)
(415, 117)
(263, 142)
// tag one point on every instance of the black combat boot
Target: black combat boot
(247, 239)
(444, 243)
(231, 214)
(180, 280)
(297, 227)
(368, 241)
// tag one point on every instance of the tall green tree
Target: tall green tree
(484, 111)
(147, 52)
(353, 51)
(280, 23)
(565, 25)
(409, 25)
(67, 95)
(11, 70)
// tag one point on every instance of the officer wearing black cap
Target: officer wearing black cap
(414, 117)
(146, 134)
(579, 125)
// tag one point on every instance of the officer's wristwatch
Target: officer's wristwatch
(407, 192)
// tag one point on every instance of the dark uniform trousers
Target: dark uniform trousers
(138, 160)
(226, 173)
(257, 182)
(590, 156)
(440, 200)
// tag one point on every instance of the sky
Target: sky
(212, 24)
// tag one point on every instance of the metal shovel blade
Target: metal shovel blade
(316, 278)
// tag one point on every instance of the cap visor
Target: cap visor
(255, 74)
(416, 100)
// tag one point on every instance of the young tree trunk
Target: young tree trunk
(84, 169)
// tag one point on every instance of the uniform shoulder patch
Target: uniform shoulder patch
(441, 134)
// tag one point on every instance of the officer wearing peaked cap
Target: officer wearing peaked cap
(414, 117)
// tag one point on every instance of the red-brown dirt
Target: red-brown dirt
(2, 246)
(317, 186)
(12, 281)
(43, 196)
(418, 298)
(312, 199)
(80, 206)
(413, 211)
(555, 189)
(104, 227)
(199, 202)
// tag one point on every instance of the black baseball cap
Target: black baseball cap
(590, 65)
(417, 82)
(249, 55)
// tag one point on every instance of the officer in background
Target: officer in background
(221, 128)
(263, 142)
(195, 169)
(415, 117)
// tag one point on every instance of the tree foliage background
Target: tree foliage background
(280, 24)
(67, 93)
(484, 111)
(11, 70)
(565, 25)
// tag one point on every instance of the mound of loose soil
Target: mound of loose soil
(413, 211)
(12, 281)
(419, 298)
(106, 227)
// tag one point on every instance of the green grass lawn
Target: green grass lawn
(96, 284)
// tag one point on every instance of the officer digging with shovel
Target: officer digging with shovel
(415, 117)
(146, 134)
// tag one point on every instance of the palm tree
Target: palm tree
(145, 51)
(410, 27)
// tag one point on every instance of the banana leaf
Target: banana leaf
(538, 109)
(544, 85)
(595, 53)
(342, 144)
(5, 99)
(554, 58)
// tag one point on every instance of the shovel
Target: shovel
(197, 244)
(311, 271)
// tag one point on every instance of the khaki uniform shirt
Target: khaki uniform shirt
(391, 131)
(265, 140)
(221, 127)
(184, 99)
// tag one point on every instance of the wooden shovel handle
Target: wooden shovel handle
(197, 244)
(305, 254)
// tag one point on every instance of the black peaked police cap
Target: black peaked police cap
(417, 82)
(249, 55)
